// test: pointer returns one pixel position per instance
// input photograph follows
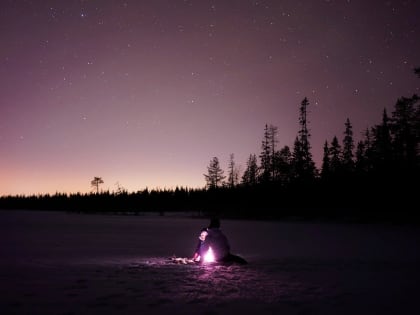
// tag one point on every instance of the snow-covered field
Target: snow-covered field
(61, 263)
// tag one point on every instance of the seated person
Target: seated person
(199, 250)
(218, 242)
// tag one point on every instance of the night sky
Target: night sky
(145, 93)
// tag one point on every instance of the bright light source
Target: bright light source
(209, 256)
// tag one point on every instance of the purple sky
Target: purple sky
(145, 93)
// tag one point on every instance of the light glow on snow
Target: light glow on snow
(209, 256)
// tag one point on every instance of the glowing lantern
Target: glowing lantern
(209, 256)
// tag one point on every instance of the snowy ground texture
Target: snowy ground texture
(61, 263)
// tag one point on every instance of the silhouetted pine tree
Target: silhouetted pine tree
(348, 147)
(232, 172)
(368, 153)
(304, 166)
(283, 165)
(96, 182)
(325, 167)
(335, 157)
(273, 130)
(405, 130)
(297, 159)
(361, 160)
(250, 176)
(268, 152)
(382, 145)
(265, 156)
(214, 177)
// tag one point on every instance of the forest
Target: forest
(376, 178)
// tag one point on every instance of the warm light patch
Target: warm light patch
(209, 256)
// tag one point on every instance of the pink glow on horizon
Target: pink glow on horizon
(146, 93)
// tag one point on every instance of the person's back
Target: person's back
(217, 241)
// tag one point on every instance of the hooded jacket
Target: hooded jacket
(218, 242)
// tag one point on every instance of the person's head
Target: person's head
(214, 223)
(203, 234)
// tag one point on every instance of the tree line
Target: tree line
(377, 177)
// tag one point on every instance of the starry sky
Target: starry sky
(145, 93)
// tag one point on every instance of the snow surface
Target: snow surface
(63, 263)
